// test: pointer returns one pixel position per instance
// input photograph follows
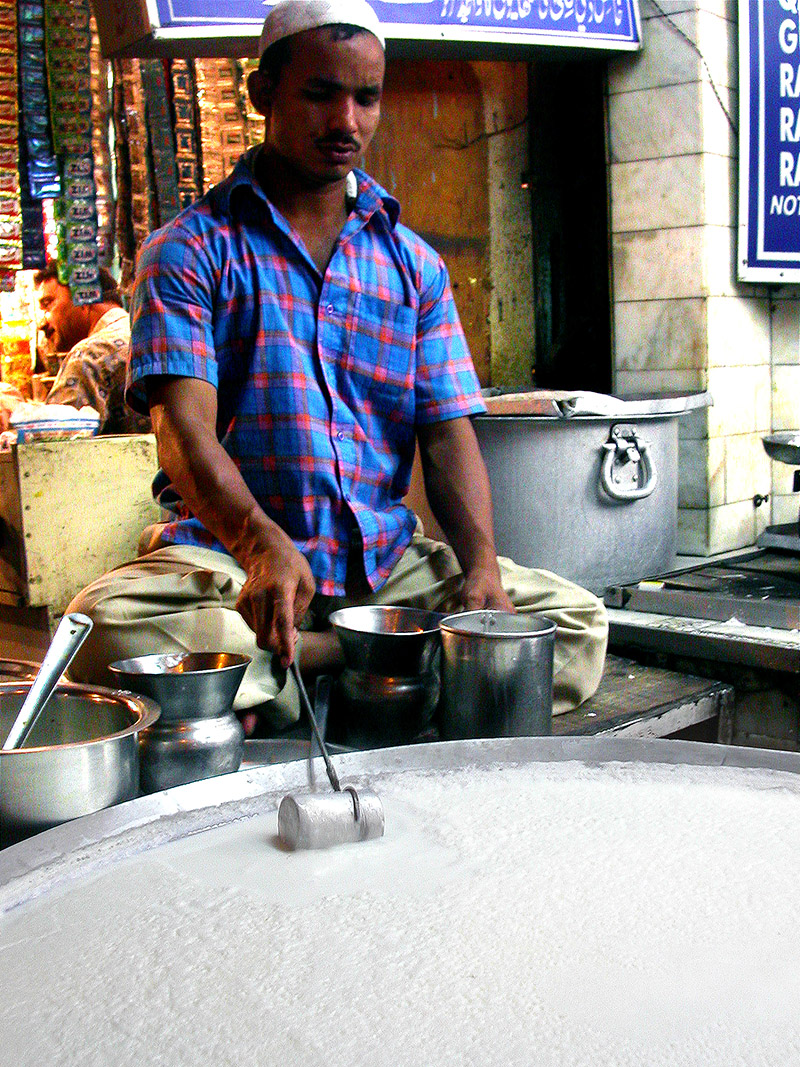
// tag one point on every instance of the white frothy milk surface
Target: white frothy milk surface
(624, 915)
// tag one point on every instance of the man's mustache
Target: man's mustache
(344, 141)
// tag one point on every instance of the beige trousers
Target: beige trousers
(181, 598)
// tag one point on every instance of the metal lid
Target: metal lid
(491, 623)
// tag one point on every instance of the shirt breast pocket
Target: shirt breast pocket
(382, 346)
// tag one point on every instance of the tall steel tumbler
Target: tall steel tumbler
(497, 675)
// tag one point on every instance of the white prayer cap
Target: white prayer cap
(293, 16)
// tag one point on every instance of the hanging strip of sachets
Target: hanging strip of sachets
(38, 166)
(123, 222)
(222, 125)
(254, 122)
(144, 217)
(162, 144)
(10, 206)
(186, 154)
(44, 180)
(101, 120)
(68, 40)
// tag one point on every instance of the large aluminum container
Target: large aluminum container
(81, 756)
(592, 497)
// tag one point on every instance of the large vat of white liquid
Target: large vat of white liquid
(534, 900)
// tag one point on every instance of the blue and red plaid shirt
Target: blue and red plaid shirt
(321, 381)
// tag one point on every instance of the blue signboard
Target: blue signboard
(583, 23)
(769, 140)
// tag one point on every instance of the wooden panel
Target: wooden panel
(426, 154)
(643, 701)
(84, 504)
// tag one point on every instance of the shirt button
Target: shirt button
(329, 309)
(340, 435)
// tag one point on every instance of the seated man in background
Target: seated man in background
(95, 338)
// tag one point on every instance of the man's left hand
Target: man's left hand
(482, 589)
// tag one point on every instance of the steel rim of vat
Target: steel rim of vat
(93, 843)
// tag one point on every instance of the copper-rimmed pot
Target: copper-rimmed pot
(81, 755)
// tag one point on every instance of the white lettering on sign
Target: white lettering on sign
(783, 205)
(789, 80)
(790, 124)
(787, 36)
(582, 13)
(789, 165)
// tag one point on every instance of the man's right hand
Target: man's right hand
(276, 596)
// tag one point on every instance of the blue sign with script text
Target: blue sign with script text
(586, 23)
(769, 141)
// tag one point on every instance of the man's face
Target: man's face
(322, 113)
(62, 322)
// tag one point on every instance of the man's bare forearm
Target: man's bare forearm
(458, 492)
(279, 584)
(457, 487)
(209, 482)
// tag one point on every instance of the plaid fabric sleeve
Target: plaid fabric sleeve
(171, 313)
(446, 384)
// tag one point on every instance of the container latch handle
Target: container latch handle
(623, 448)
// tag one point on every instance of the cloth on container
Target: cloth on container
(52, 422)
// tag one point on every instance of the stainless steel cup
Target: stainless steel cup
(497, 675)
(198, 734)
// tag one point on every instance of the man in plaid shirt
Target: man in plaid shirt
(291, 341)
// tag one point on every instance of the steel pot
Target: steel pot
(497, 675)
(81, 756)
(388, 691)
(17, 670)
(180, 751)
(197, 735)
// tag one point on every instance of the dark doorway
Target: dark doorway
(569, 210)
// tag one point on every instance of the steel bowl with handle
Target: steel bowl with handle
(783, 446)
(81, 755)
(17, 670)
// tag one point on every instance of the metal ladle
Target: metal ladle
(320, 820)
(70, 634)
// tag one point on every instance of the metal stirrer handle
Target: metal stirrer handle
(332, 776)
(70, 634)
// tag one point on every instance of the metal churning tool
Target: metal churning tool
(70, 634)
(317, 820)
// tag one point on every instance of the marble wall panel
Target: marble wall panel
(693, 426)
(719, 189)
(692, 539)
(732, 526)
(784, 509)
(657, 194)
(661, 334)
(702, 473)
(786, 397)
(738, 400)
(786, 331)
(659, 264)
(720, 115)
(747, 468)
(649, 383)
(726, 9)
(782, 479)
(720, 265)
(653, 123)
(666, 58)
(738, 331)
